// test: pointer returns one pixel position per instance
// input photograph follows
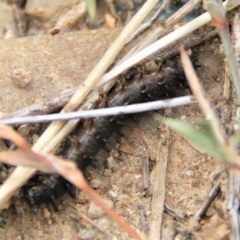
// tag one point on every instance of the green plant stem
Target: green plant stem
(228, 49)
(216, 9)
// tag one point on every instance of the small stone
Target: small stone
(210, 212)
(35, 138)
(189, 173)
(151, 66)
(95, 211)
(24, 129)
(104, 223)
(21, 77)
(202, 221)
(46, 213)
(112, 194)
(236, 127)
(112, 163)
(107, 172)
(95, 183)
(83, 223)
(110, 20)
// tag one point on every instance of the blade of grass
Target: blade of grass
(216, 9)
(91, 8)
(197, 137)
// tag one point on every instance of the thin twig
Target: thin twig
(103, 112)
(46, 106)
(233, 203)
(85, 217)
(181, 13)
(201, 212)
(145, 173)
(159, 186)
(149, 23)
(176, 213)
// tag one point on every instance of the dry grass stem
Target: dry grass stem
(103, 112)
(195, 225)
(159, 185)
(199, 93)
(161, 31)
(233, 203)
(147, 24)
(183, 11)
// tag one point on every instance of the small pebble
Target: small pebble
(104, 223)
(189, 173)
(236, 127)
(210, 212)
(46, 213)
(107, 172)
(24, 130)
(110, 20)
(21, 77)
(112, 163)
(112, 194)
(95, 183)
(95, 211)
(151, 66)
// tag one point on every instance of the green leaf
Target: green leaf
(91, 8)
(203, 139)
(215, 8)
